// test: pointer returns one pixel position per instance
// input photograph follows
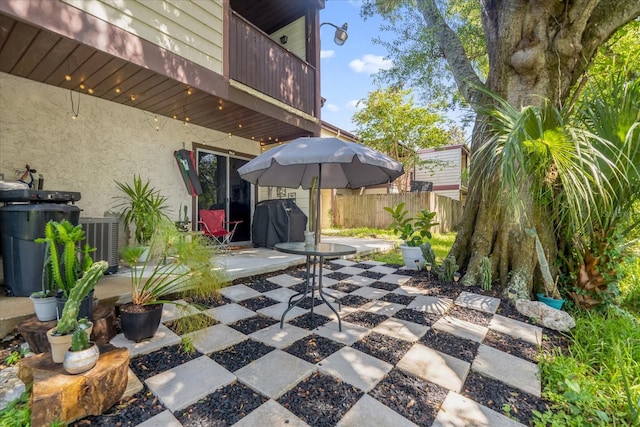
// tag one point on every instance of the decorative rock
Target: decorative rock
(10, 386)
(546, 316)
(67, 398)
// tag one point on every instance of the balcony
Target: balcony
(261, 63)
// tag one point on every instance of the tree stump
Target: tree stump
(58, 396)
(35, 331)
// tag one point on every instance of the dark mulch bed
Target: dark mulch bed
(435, 288)
(306, 321)
(321, 400)
(414, 399)
(151, 364)
(258, 303)
(8, 345)
(224, 407)
(398, 299)
(263, 286)
(300, 288)
(363, 265)
(313, 348)
(452, 345)
(129, 411)
(365, 318)
(191, 323)
(384, 347)
(345, 287)
(212, 301)
(253, 324)
(499, 396)
(372, 275)
(426, 319)
(402, 271)
(354, 300)
(298, 273)
(384, 286)
(512, 345)
(308, 302)
(470, 315)
(240, 355)
(337, 276)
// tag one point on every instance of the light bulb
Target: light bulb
(82, 86)
(67, 78)
(133, 97)
(118, 90)
(90, 91)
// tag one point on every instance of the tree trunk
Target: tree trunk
(538, 50)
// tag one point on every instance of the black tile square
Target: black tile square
(383, 347)
(354, 300)
(417, 400)
(398, 299)
(258, 303)
(338, 276)
(240, 355)
(307, 322)
(209, 301)
(300, 288)
(410, 315)
(313, 348)
(263, 286)
(371, 275)
(253, 324)
(308, 302)
(192, 323)
(345, 287)
(385, 286)
(166, 358)
(365, 318)
(224, 407)
(450, 344)
(320, 400)
(470, 315)
(128, 411)
(364, 265)
(508, 344)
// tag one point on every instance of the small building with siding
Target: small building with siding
(445, 167)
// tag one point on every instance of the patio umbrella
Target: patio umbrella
(335, 163)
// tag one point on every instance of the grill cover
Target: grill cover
(277, 221)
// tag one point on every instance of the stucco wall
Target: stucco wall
(106, 142)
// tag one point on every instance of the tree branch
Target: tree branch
(453, 51)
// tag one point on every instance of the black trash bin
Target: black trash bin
(23, 258)
(277, 221)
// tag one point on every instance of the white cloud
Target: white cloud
(331, 107)
(327, 54)
(370, 64)
(353, 104)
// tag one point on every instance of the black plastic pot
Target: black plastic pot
(86, 305)
(140, 322)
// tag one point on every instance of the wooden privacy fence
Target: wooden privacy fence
(352, 211)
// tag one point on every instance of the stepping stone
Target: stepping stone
(382, 269)
(343, 262)
(328, 281)
(478, 302)
(163, 419)
(396, 279)
(275, 311)
(164, 337)
(350, 270)
(431, 365)
(382, 307)
(215, 338)
(280, 294)
(370, 293)
(183, 385)
(280, 338)
(432, 305)
(355, 367)
(271, 413)
(334, 293)
(369, 412)
(284, 280)
(275, 373)
(524, 331)
(134, 385)
(349, 335)
(461, 328)
(409, 290)
(358, 280)
(401, 329)
(509, 369)
(230, 313)
(239, 293)
(173, 311)
(457, 410)
(345, 310)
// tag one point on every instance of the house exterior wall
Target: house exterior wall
(446, 175)
(106, 142)
(192, 29)
(295, 33)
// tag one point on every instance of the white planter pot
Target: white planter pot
(45, 308)
(77, 362)
(412, 257)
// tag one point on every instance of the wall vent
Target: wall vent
(102, 234)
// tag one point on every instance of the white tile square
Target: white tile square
(396, 279)
(162, 338)
(524, 331)
(382, 269)
(359, 280)
(478, 302)
(432, 305)
(280, 338)
(461, 328)
(239, 292)
(230, 313)
(275, 311)
(431, 365)
(176, 311)
(401, 329)
(215, 338)
(284, 280)
(271, 413)
(382, 307)
(350, 270)
(457, 410)
(370, 293)
(349, 335)
(355, 367)
(409, 290)
(369, 412)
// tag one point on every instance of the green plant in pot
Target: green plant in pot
(82, 355)
(44, 301)
(183, 268)
(60, 336)
(415, 233)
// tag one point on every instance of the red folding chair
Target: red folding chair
(216, 229)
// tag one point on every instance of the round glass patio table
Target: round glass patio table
(313, 253)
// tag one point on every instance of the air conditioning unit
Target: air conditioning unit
(102, 234)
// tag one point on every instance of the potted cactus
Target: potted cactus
(82, 355)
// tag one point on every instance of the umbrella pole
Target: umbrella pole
(318, 198)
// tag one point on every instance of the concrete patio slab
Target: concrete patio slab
(323, 310)
(215, 338)
(401, 329)
(343, 262)
(511, 370)
(431, 365)
(359, 280)
(163, 419)
(164, 337)
(432, 305)
(478, 302)
(350, 270)
(176, 311)
(370, 293)
(355, 367)
(458, 411)
(238, 293)
(280, 338)
(382, 269)
(524, 331)
(350, 332)
(334, 293)
(382, 307)
(183, 385)
(284, 280)
(461, 328)
(275, 311)
(280, 294)
(275, 373)
(271, 413)
(409, 290)
(369, 412)
(230, 313)
(134, 385)
(396, 279)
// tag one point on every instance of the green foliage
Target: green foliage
(15, 356)
(186, 344)
(428, 254)
(141, 205)
(446, 270)
(79, 340)
(485, 273)
(18, 412)
(414, 231)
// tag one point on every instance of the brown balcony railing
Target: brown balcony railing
(262, 64)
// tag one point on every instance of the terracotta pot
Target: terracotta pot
(140, 322)
(45, 308)
(77, 362)
(61, 343)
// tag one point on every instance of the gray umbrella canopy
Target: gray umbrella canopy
(343, 165)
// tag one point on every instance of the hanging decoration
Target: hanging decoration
(186, 165)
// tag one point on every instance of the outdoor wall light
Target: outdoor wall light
(341, 35)
(284, 39)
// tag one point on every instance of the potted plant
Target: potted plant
(44, 301)
(143, 206)
(183, 267)
(551, 295)
(60, 336)
(64, 264)
(82, 355)
(415, 232)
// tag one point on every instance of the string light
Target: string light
(67, 78)
(189, 91)
(82, 86)
(90, 91)
(118, 90)
(133, 97)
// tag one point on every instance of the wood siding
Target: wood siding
(189, 28)
(295, 33)
(264, 65)
(447, 173)
(367, 210)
